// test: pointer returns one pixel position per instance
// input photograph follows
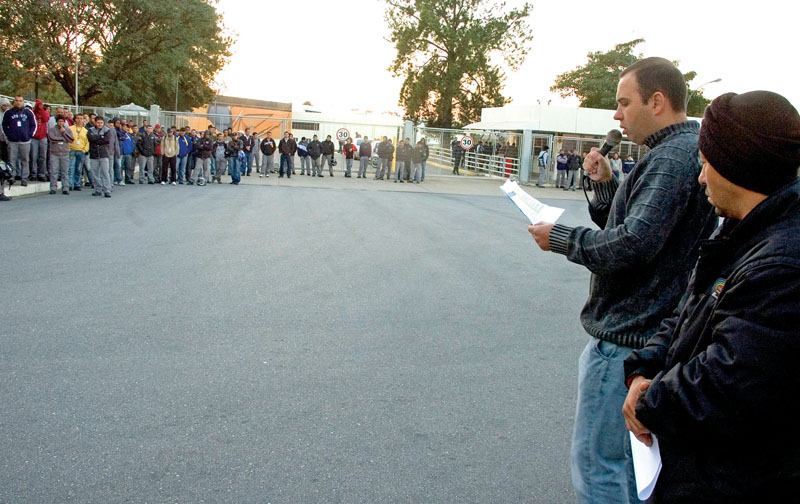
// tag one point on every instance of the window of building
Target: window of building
(306, 126)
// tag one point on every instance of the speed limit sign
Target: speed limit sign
(466, 142)
(342, 135)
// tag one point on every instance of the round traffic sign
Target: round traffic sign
(342, 135)
(466, 142)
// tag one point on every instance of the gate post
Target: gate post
(525, 156)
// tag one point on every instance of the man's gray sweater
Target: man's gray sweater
(648, 242)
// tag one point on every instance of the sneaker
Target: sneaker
(261, 176)
(3, 197)
(163, 183)
(267, 175)
(97, 193)
(52, 191)
(395, 181)
(108, 195)
(122, 183)
(65, 192)
(174, 183)
(141, 181)
(190, 183)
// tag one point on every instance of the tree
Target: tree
(595, 83)
(450, 52)
(129, 50)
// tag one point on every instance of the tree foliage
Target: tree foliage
(595, 83)
(450, 52)
(129, 50)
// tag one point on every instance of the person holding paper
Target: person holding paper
(640, 259)
(717, 383)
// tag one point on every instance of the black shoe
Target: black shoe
(88, 184)
(17, 177)
(97, 193)
(280, 176)
(189, 183)
(52, 191)
(248, 174)
(77, 188)
(150, 182)
(42, 178)
(24, 183)
(65, 192)
(3, 197)
(108, 195)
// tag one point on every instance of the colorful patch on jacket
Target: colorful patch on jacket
(717, 289)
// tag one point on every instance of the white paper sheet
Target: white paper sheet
(533, 209)
(646, 465)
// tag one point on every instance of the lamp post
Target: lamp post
(698, 88)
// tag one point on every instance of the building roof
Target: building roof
(232, 101)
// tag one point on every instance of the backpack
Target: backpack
(541, 159)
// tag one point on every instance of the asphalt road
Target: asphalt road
(285, 345)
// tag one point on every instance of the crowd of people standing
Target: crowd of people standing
(86, 150)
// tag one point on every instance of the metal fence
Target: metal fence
(494, 153)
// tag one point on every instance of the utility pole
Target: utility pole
(177, 78)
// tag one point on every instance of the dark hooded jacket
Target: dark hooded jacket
(723, 367)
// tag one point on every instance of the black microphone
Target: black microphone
(613, 138)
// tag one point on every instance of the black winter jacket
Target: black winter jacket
(203, 148)
(268, 147)
(385, 150)
(99, 141)
(404, 152)
(722, 400)
(328, 148)
(146, 144)
(314, 149)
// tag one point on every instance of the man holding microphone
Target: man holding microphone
(640, 258)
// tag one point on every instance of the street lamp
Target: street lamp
(698, 88)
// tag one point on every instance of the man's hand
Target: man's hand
(638, 385)
(541, 234)
(597, 167)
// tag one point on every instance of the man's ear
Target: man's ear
(658, 103)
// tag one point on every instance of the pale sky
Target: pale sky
(334, 53)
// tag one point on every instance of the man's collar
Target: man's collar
(685, 126)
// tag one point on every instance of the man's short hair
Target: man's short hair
(659, 74)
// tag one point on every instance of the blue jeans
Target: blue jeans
(289, 161)
(117, 168)
(423, 170)
(233, 169)
(75, 166)
(182, 167)
(248, 162)
(602, 468)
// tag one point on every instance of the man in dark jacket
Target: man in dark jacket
(364, 153)
(640, 259)
(102, 142)
(202, 169)
(573, 166)
(19, 125)
(716, 384)
(249, 144)
(146, 144)
(314, 152)
(403, 164)
(287, 147)
(385, 154)
(268, 148)
(328, 148)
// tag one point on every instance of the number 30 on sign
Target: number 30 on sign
(466, 142)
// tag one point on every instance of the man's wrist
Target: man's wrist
(559, 239)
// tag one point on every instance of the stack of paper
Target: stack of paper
(534, 210)
(646, 465)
